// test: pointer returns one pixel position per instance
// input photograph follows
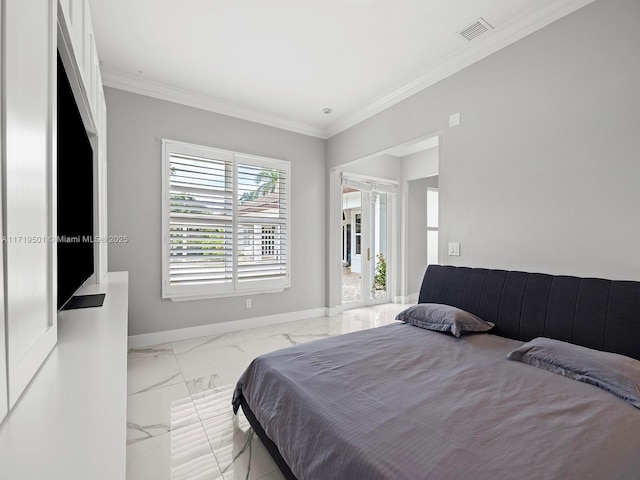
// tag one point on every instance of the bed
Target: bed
(402, 402)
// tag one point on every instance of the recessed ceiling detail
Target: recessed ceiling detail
(476, 29)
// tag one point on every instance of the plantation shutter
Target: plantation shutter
(226, 222)
(201, 220)
(262, 220)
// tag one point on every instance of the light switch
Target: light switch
(454, 119)
(454, 249)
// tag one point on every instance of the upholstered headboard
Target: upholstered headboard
(593, 312)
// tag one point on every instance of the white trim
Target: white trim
(411, 298)
(334, 311)
(225, 294)
(156, 338)
(526, 23)
(233, 287)
(128, 83)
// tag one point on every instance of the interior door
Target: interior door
(365, 272)
(352, 247)
(378, 248)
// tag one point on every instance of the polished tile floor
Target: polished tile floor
(180, 425)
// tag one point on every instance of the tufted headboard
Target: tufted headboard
(592, 312)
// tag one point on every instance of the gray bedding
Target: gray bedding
(400, 402)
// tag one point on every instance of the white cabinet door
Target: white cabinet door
(3, 364)
(29, 191)
(101, 214)
(4, 406)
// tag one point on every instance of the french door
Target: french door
(365, 242)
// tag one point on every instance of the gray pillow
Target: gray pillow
(443, 318)
(614, 373)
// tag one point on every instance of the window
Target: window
(269, 241)
(225, 222)
(432, 226)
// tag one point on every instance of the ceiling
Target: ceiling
(281, 62)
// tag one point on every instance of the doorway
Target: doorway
(394, 167)
(365, 243)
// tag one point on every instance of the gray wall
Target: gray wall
(136, 126)
(383, 166)
(417, 231)
(542, 174)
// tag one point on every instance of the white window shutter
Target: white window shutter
(226, 220)
(262, 221)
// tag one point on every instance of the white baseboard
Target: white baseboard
(411, 298)
(333, 311)
(156, 338)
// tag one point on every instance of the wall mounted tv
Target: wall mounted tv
(75, 195)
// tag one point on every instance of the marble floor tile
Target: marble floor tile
(157, 411)
(152, 367)
(180, 424)
(255, 347)
(213, 403)
(185, 456)
(212, 365)
(275, 475)
(212, 358)
(246, 458)
(249, 334)
(182, 347)
(144, 459)
(191, 454)
(204, 383)
(214, 410)
(307, 330)
(240, 455)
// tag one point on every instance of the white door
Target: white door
(377, 252)
(29, 144)
(356, 241)
(365, 277)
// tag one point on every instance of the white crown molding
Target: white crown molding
(528, 22)
(129, 83)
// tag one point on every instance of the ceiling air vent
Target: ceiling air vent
(474, 30)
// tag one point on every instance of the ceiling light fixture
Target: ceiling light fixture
(327, 111)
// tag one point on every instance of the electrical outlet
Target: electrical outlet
(248, 303)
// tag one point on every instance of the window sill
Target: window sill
(209, 296)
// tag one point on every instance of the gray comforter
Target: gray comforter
(400, 402)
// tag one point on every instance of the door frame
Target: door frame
(397, 225)
(365, 272)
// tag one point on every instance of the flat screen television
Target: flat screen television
(75, 245)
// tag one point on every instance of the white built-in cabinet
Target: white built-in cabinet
(32, 30)
(76, 43)
(29, 162)
(4, 399)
